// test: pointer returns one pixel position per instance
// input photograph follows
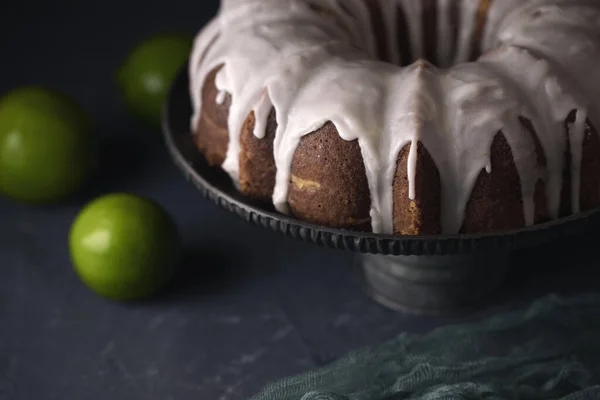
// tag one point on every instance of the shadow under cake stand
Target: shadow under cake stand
(420, 274)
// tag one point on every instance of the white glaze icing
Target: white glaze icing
(313, 67)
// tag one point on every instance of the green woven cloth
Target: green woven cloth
(549, 351)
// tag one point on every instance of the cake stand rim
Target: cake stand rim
(363, 242)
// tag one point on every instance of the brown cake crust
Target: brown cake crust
(329, 183)
(565, 195)
(589, 195)
(541, 213)
(420, 216)
(257, 160)
(212, 135)
(495, 202)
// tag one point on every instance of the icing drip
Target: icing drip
(261, 113)
(479, 106)
(552, 102)
(221, 96)
(313, 62)
(202, 41)
(415, 97)
(348, 113)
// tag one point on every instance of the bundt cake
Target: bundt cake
(410, 117)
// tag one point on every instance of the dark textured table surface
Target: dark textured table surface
(247, 306)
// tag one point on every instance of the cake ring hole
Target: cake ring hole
(441, 40)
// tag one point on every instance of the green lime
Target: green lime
(124, 246)
(147, 73)
(46, 145)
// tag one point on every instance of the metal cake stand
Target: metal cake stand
(420, 274)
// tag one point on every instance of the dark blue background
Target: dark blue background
(247, 307)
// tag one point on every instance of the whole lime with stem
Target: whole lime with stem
(124, 246)
(47, 148)
(147, 73)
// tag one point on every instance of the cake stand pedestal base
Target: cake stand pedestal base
(431, 284)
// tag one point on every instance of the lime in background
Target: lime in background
(47, 149)
(146, 75)
(124, 246)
